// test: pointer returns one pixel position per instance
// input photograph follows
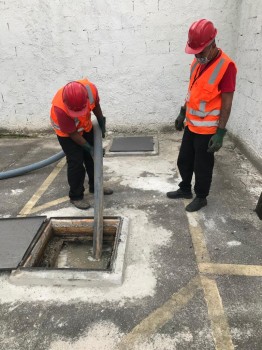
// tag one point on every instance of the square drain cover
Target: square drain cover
(16, 235)
(133, 145)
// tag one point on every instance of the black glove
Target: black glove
(88, 148)
(179, 122)
(102, 124)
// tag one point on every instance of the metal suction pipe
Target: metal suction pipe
(99, 192)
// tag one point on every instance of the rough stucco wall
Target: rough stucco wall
(132, 50)
(246, 121)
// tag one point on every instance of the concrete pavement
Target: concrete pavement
(192, 280)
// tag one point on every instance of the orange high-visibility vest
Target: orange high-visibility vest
(204, 99)
(82, 123)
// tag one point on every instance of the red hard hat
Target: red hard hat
(200, 35)
(75, 98)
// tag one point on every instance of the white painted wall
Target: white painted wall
(246, 119)
(133, 50)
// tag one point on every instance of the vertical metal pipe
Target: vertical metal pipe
(99, 193)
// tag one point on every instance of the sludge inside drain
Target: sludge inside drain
(75, 254)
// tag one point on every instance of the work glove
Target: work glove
(102, 124)
(179, 122)
(88, 148)
(216, 141)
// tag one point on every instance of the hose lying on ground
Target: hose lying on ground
(31, 167)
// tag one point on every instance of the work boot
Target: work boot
(107, 190)
(196, 204)
(80, 203)
(179, 194)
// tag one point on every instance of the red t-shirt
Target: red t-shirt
(66, 123)
(228, 82)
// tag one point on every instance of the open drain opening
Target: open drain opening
(68, 244)
(61, 253)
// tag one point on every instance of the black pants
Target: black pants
(78, 162)
(194, 158)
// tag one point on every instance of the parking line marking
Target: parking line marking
(37, 195)
(160, 316)
(49, 204)
(231, 269)
(165, 313)
(220, 327)
(198, 238)
(219, 324)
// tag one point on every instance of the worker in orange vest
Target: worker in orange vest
(71, 120)
(205, 112)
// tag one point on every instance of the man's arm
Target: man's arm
(100, 118)
(98, 111)
(77, 138)
(216, 141)
(227, 98)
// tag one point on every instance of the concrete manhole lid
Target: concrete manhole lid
(16, 234)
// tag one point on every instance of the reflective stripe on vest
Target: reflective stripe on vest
(202, 111)
(216, 71)
(193, 68)
(54, 125)
(202, 123)
(57, 127)
(204, 100)
(214, 74)
(90, 94)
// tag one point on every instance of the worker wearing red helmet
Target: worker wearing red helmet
(71, 121)
(205, 112)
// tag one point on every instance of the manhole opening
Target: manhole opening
(68, 244)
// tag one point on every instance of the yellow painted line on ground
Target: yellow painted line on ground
(198, 238)
(49, 204)
(37, 195)
(219, 324)
(160, 316)
(231, 269)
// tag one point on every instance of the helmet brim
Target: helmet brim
(191, 51)
(78, 114)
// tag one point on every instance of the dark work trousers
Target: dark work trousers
(78, 162)
(194, 158)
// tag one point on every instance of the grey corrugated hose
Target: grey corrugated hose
(31, 167)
